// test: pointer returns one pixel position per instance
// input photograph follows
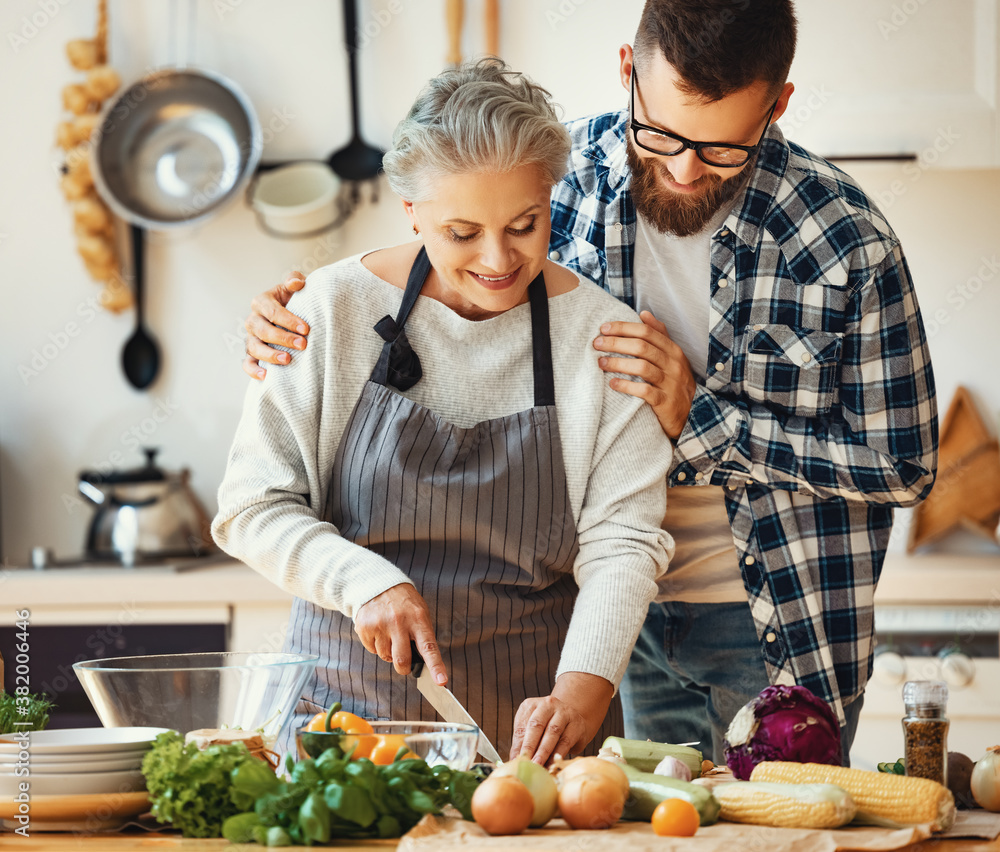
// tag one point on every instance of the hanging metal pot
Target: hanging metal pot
(172, 150)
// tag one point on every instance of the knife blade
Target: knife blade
(447, 705)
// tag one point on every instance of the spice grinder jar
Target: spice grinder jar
(925, 729)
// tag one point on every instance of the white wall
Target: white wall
(75, 410)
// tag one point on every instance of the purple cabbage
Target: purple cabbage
(782, 723)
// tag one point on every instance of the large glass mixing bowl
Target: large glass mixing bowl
(189, 691)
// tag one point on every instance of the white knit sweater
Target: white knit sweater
(271, 500)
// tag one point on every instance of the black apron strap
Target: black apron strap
(398, 365)
(541, 343)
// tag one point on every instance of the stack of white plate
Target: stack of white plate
(66, 769)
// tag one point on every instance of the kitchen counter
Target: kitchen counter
(219, 590)
(43, 842)
(154, 841)
(217, 580)
(938, 578)
(931, 578)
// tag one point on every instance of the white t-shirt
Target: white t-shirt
(671, 281)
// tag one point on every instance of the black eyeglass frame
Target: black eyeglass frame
(636, 126)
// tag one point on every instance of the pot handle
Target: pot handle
(92, 493)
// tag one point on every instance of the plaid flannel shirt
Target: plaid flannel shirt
(818, 412)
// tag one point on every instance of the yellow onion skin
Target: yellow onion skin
(985, 781)
(594, 766)
(591, 801)
(539, 782)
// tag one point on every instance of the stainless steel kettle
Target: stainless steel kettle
(144, 514)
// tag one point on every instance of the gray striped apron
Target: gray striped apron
(478, 518)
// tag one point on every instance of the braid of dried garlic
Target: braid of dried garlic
(93, 223)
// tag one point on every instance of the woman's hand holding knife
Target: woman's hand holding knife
(389, 621)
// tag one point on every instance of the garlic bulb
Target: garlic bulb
(671, 767)
(985, 781)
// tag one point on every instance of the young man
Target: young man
(781, 348)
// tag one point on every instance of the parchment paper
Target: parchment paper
(440, 833)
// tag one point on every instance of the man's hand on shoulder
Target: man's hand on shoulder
(269, 323)
(667, 381)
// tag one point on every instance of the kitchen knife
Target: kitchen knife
(447, 705)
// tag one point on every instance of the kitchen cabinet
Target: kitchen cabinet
(228, 592)
(896, 78)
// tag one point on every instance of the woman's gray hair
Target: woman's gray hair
(479, 117)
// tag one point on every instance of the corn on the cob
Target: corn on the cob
(897, 798)
(785, 805)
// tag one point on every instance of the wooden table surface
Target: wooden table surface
(46, 841)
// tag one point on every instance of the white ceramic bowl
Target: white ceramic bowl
(297, 199)
(73, 784)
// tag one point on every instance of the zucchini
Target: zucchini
(647, 790)
(646, 755)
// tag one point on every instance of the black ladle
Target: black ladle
(358, 160)
(141, 355)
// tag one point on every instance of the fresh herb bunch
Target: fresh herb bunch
(23, 712)
(332, 796)
(191, 788)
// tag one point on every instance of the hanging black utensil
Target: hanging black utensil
(358, 160)
(141, 355)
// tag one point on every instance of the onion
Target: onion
(591, 801)
(594, 766)
(539, 782)
(502, 805)
(985, 780)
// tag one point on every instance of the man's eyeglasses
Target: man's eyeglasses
(667, 144)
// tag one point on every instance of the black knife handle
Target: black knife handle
(416, 661)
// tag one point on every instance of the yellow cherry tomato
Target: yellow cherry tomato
(675, 818)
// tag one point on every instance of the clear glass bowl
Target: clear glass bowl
(190, 691)
(450, 744)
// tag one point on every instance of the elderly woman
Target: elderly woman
(446, 464)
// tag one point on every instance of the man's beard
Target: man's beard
(673, 212)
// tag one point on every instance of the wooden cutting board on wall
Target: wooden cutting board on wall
(966, 494)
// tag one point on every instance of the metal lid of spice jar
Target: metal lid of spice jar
(925, 697)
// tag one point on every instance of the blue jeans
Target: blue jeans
(693, 667)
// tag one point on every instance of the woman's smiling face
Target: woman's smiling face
(487, 237)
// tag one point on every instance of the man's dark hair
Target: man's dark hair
(720, 46)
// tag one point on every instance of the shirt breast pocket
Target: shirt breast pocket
(793, 369)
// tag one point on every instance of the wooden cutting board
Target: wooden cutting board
(966, 494)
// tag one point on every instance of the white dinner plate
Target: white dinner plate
(81, 740)
(54, 764)
(73, 784)
(74, 762)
